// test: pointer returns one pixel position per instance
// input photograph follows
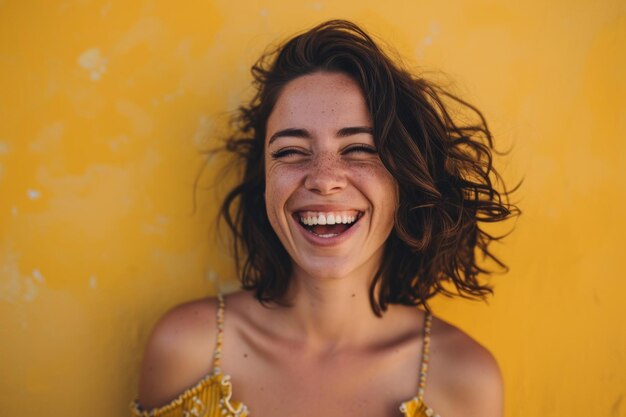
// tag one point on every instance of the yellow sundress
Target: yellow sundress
(212, 395)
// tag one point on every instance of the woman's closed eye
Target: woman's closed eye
(360, 148)
(288, 152)
(351, 150)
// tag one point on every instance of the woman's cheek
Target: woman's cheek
(280, 184)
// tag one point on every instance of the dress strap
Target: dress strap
(217, 354)
(428, 319)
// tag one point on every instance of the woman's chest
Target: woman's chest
(342, 385)
(307, 397)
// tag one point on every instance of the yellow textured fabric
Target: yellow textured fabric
(212, 397)
(416, 408)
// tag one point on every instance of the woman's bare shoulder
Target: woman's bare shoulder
(464, 377)
(178, 352)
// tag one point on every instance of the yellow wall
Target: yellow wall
(104, 106)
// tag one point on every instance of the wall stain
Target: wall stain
(15, 286)
(33, 194)
(615, 409)
(93, 62)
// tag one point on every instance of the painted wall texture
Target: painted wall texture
(105, 107)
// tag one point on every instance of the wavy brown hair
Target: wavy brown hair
(447, 183)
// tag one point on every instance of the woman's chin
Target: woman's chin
(334, 268)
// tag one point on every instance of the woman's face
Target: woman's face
(328, 196)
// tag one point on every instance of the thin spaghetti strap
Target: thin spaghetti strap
(428, 319)
(217, 354)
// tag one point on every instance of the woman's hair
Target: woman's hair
(443, 168)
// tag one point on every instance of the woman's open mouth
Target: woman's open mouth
(328, 224)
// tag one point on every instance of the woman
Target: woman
(361, 198)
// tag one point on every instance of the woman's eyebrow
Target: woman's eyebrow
(303, 133)
(349, 131)
(291, 132)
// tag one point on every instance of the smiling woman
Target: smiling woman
(322, 164)
(361, 198)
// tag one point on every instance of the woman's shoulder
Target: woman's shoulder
(464, 377)
(178, 352)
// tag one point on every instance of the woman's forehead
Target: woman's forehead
(319, 100)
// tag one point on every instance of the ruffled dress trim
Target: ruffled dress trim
(415, 407)
(199, 400)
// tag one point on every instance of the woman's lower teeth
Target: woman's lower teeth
(328, 231)
(324, 235)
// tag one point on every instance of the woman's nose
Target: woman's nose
(326, 174)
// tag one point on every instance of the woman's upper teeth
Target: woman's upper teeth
(315, 218)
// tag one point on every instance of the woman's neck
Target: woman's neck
(330, 313)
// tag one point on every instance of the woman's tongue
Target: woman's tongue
(329, 229)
